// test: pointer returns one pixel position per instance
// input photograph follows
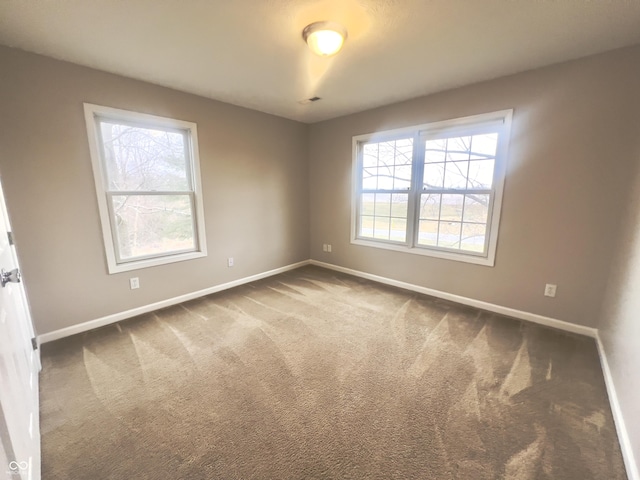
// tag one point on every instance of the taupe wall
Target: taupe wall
(254, 177)
(568, 170)
(567, 177)
(620, 319)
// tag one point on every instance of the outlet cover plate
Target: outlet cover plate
(550, 290)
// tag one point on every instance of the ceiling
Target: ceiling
(251, 53)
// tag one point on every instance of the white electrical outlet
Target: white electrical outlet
(550, 290)
(329, 247)
(134, 282)
(230, 262)
(324, 247)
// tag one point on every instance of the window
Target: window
(434, 189)
(146, 171)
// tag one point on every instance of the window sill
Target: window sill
(457, 257)
(153, 262)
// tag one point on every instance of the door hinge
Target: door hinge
(10, 236)
(34, 343)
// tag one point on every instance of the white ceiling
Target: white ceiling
(251, 53)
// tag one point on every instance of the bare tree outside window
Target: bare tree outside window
(457, 164)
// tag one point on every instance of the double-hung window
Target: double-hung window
(146, 171)
(433, 189)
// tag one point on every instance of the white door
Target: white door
(19, 366)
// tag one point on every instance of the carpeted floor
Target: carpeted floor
(317, 375)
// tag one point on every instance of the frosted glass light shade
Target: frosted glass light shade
(324, 38)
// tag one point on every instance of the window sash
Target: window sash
(391, 220)
(114, 227)
(360, 191)
(186, 145)
(486, 224)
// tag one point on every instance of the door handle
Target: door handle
(12, 276)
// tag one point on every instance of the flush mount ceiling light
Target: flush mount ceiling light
(324, 38)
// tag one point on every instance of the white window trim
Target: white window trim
(445, 127)
(92, 113)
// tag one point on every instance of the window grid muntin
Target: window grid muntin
(498, 123)
(462, 221)
(495, 127)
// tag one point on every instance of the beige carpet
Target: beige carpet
(317, 375)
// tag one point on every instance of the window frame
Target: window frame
(498, 121)
(94, 114)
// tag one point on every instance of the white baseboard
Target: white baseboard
(116, 317)
(623, 436)
(511, 312)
